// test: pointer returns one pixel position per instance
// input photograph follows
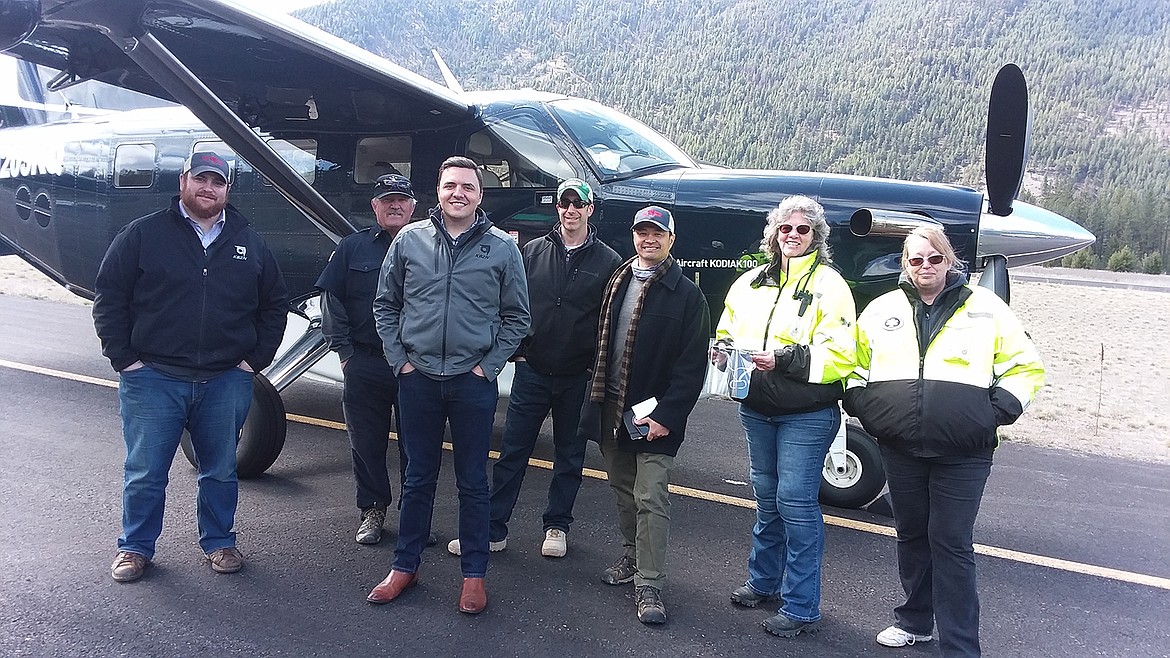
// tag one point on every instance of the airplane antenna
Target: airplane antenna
(448, 76)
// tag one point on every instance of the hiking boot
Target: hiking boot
(226, 560)
(748, 598)
(494, 546)
(128, 566)
(651, 610)
(896, 637)
(556, 544)
(620, 572)
(370, 531)
(788, 627)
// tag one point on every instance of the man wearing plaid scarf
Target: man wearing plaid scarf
(652, 352)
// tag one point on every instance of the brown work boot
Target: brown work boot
(128, 566)
(473, 599)
(395, 583)
(226, 560)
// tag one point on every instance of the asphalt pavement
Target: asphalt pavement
(1072, 548)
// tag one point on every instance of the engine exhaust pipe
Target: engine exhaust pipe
(886, 223)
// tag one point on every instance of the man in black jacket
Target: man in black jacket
(650, 368)
(189, 304)
(567, 271)
(348, 285)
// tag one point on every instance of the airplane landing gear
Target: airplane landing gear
(860, 479)
(262, 437)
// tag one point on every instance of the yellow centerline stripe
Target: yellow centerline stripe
(710, 496)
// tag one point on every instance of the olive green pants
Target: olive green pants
(639, 481)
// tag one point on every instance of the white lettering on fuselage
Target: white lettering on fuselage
(719, 263)
(22, 162)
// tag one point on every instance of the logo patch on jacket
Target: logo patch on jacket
(484, 251)
(241, 252)
(892, 324)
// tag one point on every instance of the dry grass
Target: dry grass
(1104, 350)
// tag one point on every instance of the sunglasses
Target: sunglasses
(803, 229)
(576, 203)
(936, 259)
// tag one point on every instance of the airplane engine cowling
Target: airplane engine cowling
(18, 19)
(886, 223)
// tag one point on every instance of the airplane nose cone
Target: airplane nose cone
(1030, 235)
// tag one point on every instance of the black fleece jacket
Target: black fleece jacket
(162, 299)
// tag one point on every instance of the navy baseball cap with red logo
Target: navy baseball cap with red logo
(657, 216)
(204, 161)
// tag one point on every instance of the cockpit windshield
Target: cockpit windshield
(617, 145)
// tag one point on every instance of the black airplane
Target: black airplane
(309, 121)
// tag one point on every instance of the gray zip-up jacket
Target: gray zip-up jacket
(446, 306)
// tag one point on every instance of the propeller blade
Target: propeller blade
(1008, 123)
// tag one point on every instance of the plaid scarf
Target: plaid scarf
(597, 389)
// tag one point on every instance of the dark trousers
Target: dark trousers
(367, 400)
(935, 502)
(468, 403)
(533, 396)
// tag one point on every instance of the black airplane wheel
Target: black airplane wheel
(863, 478)
(262, 437)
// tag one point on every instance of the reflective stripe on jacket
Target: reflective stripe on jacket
(979, 371)
(815, 349)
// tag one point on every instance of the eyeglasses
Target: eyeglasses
(803, 229)
(576, 203)
(916, 261)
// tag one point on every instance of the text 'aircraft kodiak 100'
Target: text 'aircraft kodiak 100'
(310, 121)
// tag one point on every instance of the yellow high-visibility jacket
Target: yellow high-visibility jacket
(806, 316)
(939, 386)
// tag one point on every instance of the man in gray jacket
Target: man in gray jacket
(452, 307)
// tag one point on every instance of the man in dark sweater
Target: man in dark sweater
(189, 303)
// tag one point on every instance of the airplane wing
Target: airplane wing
(237, 70)
(274, 72)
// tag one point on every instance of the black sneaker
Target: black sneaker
(651, 610)
(789, 627)
(620, 572)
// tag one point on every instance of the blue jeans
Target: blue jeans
(426, 406)
(155, 409)
(533, 396)
(787, 455)
(935, 502)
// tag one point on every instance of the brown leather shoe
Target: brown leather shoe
(473, 599)
(395, 583)
(226, 560)
(128, 566)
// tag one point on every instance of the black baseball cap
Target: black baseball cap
(388, 184)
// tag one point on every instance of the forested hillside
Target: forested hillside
(877, 87)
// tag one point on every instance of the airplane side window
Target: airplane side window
(134, 165)
(519, 153)
(300, 154)
(377, 156)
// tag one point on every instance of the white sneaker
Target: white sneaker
(493, 546)
(556, 544)
(896, 637)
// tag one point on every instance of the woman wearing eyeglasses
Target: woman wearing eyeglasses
(796, 316)
(941, 365)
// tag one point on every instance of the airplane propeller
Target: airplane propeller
(1009, 121)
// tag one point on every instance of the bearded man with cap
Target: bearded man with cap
(650, 367)
(189, 303)
(348, 285)
(567, 271)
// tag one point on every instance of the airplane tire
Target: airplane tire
(261, 438)
(864, 477)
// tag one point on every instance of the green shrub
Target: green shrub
(1152, 263)
(1123, 260)
(1083, 259)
